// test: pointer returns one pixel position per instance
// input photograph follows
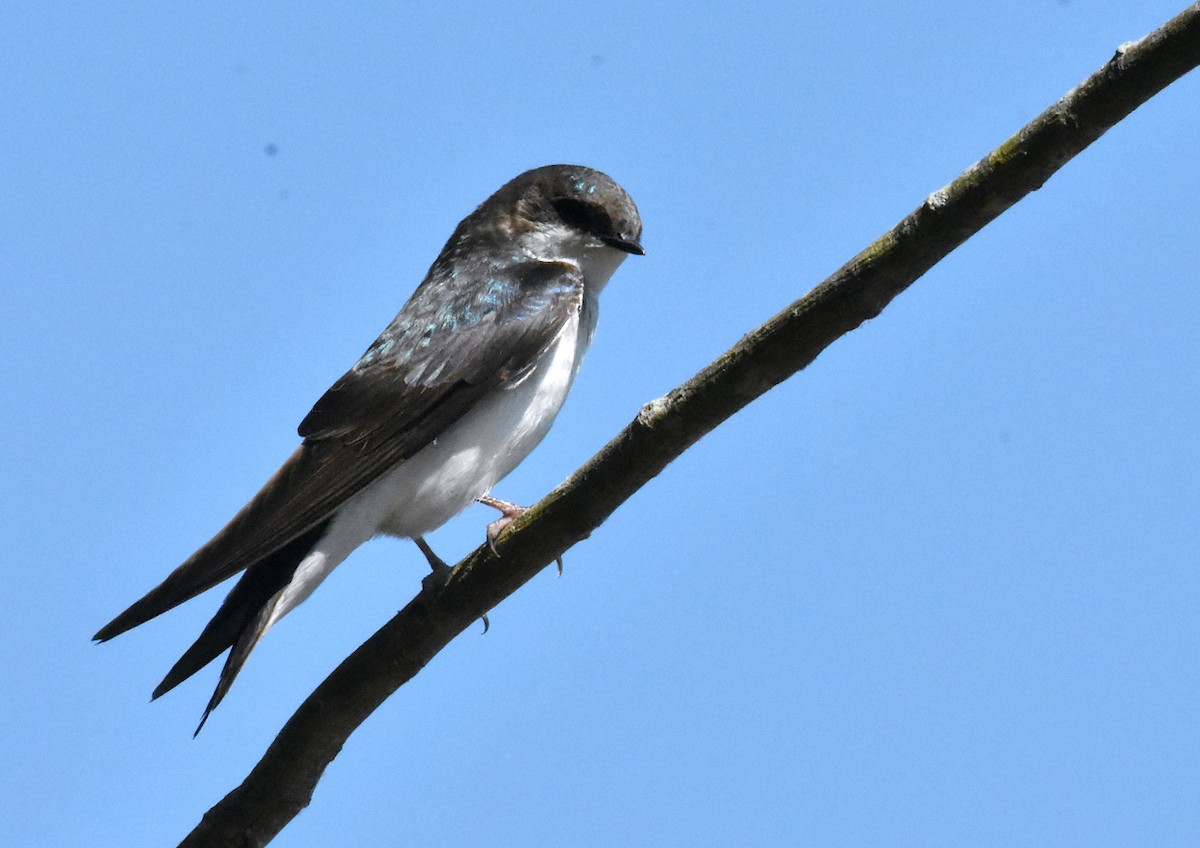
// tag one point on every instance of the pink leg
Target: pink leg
(508, 511)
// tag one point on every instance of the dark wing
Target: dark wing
(431, 365)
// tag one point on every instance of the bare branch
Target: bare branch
(283, 781)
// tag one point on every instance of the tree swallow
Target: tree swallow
(460, 387)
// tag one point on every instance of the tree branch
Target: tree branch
(283, 781)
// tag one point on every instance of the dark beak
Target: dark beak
(625, 245)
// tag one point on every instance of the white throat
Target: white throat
(557, 243)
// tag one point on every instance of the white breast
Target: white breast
(477, 451)
(463, 463)
(429, 489)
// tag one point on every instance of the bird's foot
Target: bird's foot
(439, 574)
(508, 511)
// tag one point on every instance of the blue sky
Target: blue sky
(939, 589)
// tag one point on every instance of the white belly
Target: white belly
(473, 455)
(466, 461)
(442, 480)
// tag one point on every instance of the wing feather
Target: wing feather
(429, 367)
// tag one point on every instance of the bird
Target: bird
(456, 391)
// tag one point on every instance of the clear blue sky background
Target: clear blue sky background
(940, 589)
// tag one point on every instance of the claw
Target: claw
(508, 511)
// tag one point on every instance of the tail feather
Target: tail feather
(241, 619)
(271, 518)
(238, 655)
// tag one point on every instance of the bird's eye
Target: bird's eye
(582, 216)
